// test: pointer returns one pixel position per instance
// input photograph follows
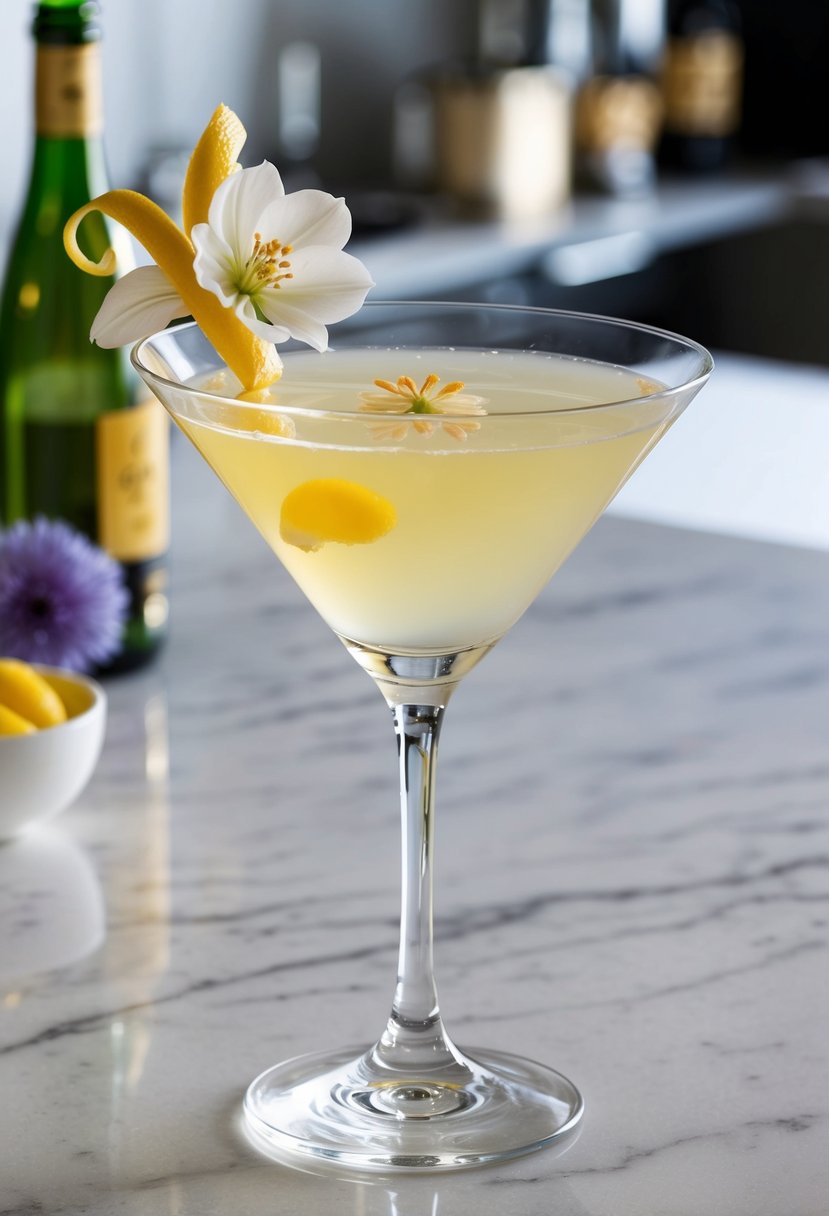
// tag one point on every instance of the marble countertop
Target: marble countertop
(749, 459)
(633, 886)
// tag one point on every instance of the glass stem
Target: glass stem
(417, 728)
(414, 1036)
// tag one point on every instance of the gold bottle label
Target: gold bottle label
(133, 482)
(68, 91)
(617, 112)
(702, 84)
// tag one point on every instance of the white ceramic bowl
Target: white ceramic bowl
(42, 773)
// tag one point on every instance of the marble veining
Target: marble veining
(633, 885)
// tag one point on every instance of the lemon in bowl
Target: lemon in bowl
(51, 733)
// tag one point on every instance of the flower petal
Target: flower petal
(328, 286)
(307, 217)
(327, 283)
(214, 264)
(139, 304)
(246, 313)
(238, 205)
(463, 403)
(291, 321)
(383, 403)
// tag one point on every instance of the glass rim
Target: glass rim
(693, 384)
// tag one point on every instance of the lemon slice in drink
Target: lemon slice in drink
(327, 510)
(26, 694)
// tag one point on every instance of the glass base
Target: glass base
(338, 1107)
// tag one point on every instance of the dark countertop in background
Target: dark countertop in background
(610, 236)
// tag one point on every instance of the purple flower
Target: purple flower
(62, 600)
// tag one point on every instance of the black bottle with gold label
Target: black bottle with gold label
(702, 84)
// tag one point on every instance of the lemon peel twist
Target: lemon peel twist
(253, 361)
(215, 157)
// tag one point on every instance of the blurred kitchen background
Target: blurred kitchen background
(516, 151)
(439, 114)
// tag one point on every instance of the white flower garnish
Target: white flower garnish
(404, 397)
(275, 259)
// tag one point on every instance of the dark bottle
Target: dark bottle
(618, 108)
(702, 84)
(79, 440)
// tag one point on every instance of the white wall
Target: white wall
(168, 63)
(130, 94)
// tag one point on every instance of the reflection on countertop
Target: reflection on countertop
(51, 907)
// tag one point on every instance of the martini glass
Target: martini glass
(421, 537)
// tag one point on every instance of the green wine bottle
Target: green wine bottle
(79, 440)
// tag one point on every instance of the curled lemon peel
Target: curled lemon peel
(213, 159)
(163, 240)
(108, 263)
(253, 361)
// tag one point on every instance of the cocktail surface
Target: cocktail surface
(427, 531)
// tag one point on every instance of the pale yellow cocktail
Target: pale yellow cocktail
(480, 522)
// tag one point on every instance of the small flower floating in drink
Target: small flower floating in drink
(405, 397)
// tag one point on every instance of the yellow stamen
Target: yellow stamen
(454, 387)
(388, 387)
(263, 266)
